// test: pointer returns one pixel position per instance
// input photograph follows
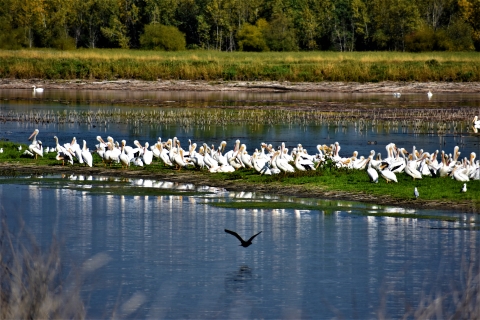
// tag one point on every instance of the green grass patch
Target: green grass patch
(328, 178)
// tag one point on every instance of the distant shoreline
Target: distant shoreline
(250, 86)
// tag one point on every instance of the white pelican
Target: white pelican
(387, 174)
(196, 158)
(459, 174)
(398, 164)
(444, 169)
(415, 193)
(464, 188)
(62, 153)
(360, 163)
(282, 163)
(244, 157)
(235, 162)
(178, 159)
(147, 154)
(101, 146)
(110, 154)
(374, 162)
(75, 150)
(303, 164)
(372, 173)
(223, 169)
(260, 164)
(207, 158)
(476, 123)
(86, 155)
(397, 94)
(429, 94)
(124, 158)
(164, 155)
(231, 153)
(411, 168)
(36, 146)
(37, 90)
(138, 162)
(218, 154)
(1, 150)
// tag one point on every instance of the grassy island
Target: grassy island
(327, 181)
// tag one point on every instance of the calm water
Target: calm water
(171, 254)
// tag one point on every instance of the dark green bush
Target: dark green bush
(280, 34)
(10, 39)
(456, 37)
(160, 37)
(421, 40)
(64, 43)
(250, 38)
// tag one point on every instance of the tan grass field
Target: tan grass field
(109, 64)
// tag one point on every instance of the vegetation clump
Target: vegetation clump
(31, 280)
(160, 37)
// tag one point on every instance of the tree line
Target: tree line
(242, 25)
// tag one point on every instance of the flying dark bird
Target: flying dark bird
(244, 243)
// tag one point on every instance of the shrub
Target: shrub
(64, 43)
(10, 39)
(421, 40)
(160, 37)
(280, 34)
(460, 34)
(250, 38)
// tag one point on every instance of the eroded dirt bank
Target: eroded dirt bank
(201, 178)
(257, 86)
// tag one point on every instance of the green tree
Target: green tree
(393, 20)
(203, 30)
(470, 10)
(215, 14)
(11, 36)
(280, 34)
(29, 15)
(162, 11)
(308, 25)
(96, 15)
(124, 15)
(161, 37)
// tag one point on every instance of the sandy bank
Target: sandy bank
(257, 86)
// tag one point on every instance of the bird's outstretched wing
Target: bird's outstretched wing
(251, 238)
(236, 235)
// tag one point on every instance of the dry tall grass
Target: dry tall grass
(32, 286)
(240, 66)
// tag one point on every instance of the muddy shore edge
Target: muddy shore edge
(203, 179)
(250, 86)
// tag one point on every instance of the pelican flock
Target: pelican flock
(266, 159)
